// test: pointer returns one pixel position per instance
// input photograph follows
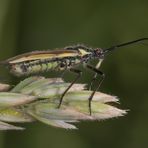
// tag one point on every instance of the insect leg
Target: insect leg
(95, 75)
(64, 71)
(79, 73)
(98, 72)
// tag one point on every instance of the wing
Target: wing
(37, 55)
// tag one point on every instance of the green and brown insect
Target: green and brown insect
(60, 60)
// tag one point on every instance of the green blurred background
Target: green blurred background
(27, 25)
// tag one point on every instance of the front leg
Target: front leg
(98, 72)
(95, 75)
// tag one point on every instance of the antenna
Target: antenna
(123, 44)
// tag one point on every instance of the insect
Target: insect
(63, 59)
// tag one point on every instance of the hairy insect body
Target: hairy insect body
(43, 61)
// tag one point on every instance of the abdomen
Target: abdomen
(39, 66)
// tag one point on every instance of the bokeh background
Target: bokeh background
(28, 25)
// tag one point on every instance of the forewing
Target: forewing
(39, 55)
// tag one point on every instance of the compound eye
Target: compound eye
(98, 51)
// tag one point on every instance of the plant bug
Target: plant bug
(63, 59)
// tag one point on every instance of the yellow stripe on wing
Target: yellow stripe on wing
(41, 55)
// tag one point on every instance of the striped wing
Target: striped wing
(38, 55)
